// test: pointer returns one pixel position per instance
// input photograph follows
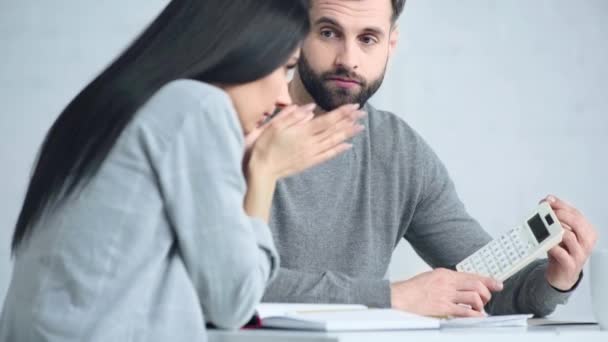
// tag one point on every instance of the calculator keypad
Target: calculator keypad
(498, 256)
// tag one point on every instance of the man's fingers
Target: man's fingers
(569, 218)
(478, 287)
(573, 246)
(492, 284)
(471, 298)
(557, 203)
(561, 256)
(457, 310)
(582, 231)
(568, 214)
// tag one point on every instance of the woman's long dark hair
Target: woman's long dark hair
(214, 41)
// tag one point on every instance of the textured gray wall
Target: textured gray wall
(511, 94)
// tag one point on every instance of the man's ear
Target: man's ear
(392, 40)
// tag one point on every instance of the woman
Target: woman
(138, 222)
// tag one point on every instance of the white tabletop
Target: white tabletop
(569, 333)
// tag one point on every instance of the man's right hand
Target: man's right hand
(444, 293)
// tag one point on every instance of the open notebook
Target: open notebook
(331, 317)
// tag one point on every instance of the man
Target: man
(336, 225)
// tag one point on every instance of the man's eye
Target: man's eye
(368, 40)
(327, 33)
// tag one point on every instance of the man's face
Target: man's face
(344, 57)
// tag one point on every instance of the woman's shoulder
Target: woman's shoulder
(184, 95)
(182, 100)
(188, 88)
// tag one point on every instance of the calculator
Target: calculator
(512, 251)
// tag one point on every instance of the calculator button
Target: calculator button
(503, 261)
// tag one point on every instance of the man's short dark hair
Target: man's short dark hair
(397, 9)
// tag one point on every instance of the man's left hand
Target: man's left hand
(567, 259)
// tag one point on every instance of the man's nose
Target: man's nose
(347, 56)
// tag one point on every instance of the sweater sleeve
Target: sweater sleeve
(443, 234)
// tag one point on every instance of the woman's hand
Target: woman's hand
(291, 142)
(295, 140)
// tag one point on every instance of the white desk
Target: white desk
(578, 333)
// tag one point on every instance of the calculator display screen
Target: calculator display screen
(538, 228)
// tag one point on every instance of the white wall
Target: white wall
(513, 97)
(509, 93)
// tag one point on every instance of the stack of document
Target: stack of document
(487, 322)
(322, 317)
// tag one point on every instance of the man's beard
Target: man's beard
(330, 98)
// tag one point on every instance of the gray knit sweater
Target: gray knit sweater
(336, 225)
